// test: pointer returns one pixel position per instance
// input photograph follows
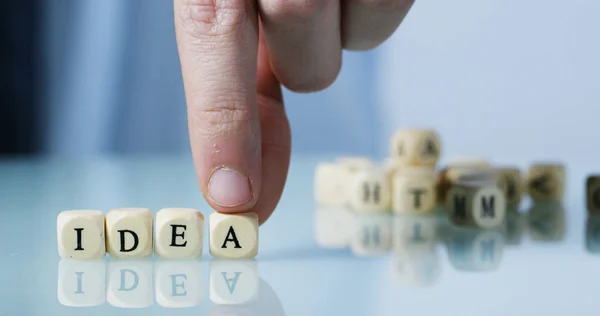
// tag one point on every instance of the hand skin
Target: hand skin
(235, 56)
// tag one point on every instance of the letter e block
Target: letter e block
(129, 233)
(179, 233)
(593, 194)
(233, 236)
(331, 184)
(81, 235)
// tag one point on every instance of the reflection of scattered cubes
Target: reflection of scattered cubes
(333, 227)
(511, 183)
(178, 283)
(81, 234)
(592, 235)
(546, 182)
(546, 222)
(130, 284)
(331, 181)
(416, 147)
(414, 191)
(476, 204)
(129, 233)
(415, 229)
(372, 235)
(475, 250)
(369, 190)
(416, 265)
(81, 283)
(515, 227)
(233, 282)
(179, 233)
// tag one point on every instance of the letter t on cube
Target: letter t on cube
(233, 236)
(179, 233)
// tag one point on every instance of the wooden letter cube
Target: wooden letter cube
(331, 184)
(416, 147)
(179, 233)
(129, 233)
(479, 204)
(545, 182)
(233, 236)
(369, 191)
(414, 192)
(511, 182)
(456, 171)
(593, 194)
(81, 234)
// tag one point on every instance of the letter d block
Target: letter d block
(233, 236)
(129, 233)
(81, 235)
(179, 233)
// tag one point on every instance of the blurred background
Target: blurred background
(509, 80)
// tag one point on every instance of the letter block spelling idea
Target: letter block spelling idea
(545, 182)
(179, 233)
(129, 233)
(593, 194)
(479, 204)
(233, 236)
(81, 234)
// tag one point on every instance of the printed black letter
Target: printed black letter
(135, 240)
(174, 235)
(79, 230)
(233, 238)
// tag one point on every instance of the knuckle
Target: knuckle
(199, 18)
(294, 9)
(222, 119)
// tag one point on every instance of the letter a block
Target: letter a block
(129, 233)
(593, 194)
(545, 182)
(179, 233)
(416, 147)
(233, 236)
(81, 235)
(479, 204)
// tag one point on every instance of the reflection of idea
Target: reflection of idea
(174, 284)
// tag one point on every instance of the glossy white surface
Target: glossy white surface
(543, 266)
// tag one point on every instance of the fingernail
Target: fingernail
(229, 188)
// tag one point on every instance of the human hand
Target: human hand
(233, 65)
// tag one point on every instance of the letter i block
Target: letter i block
(369, 191)
(593, 194)
(233, 236)
(129, 233)
(179, 233)
(81, 234)
(478, 204)
(545, 182)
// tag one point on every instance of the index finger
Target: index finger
(218, 44)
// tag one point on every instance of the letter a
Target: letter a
(233, 238)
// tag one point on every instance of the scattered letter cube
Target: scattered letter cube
(545, 182)
(129, 233)
(416, 147)
(233, 236)
(81, 234)
(479, 204)
(511, 183)
(414, 192)
(179, 233)
(369, 190)
(331, 182)
(593, 194)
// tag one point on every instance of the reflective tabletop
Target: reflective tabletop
(312, 260)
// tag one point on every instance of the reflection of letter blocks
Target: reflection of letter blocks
(372, 235)
(331, 182)
(414, 192)
(129, 284)
(81, 234)
(475, 250)
(479, 204)
(546, 222)
(593, 194)
(511, 182)
(179, 233)
(81, 283)
(233, 236)
(414, 229)
(233, 282)
(415, 265)
(416, 147)
(545, 182)
(178, 283)
(129, 233)
(514, 227)
(592, 234)
(369, 191)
